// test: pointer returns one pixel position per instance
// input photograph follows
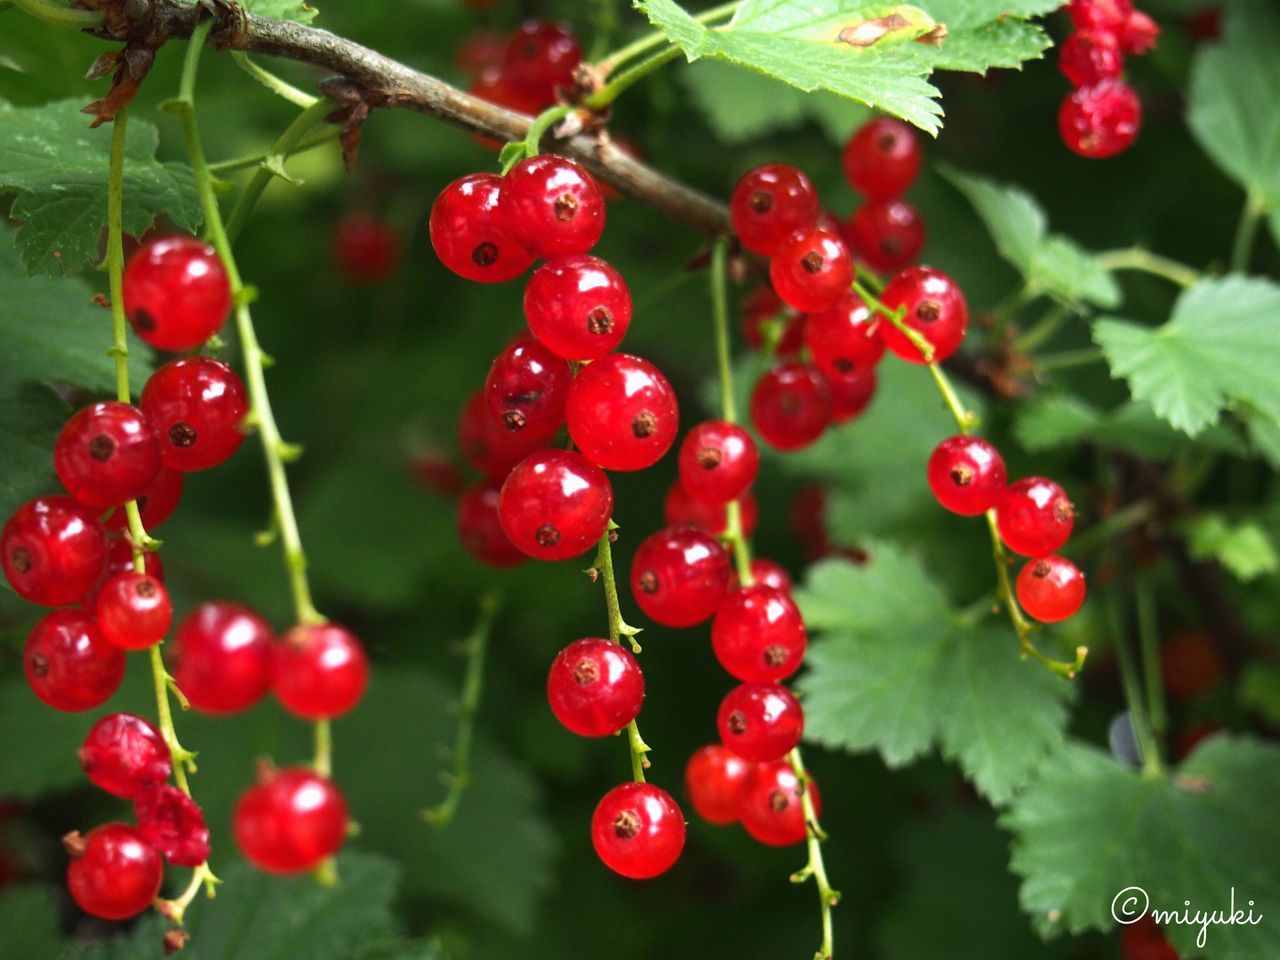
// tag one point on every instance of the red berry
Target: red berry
(198, 406)
(791, 406)
(541, 56)
(1139, 34)
(480, 527)
(679, 575)
(123, 754)
(638, 830)
(174, 824)
(481, 49)
(845, 340)
(1103, 15)
(1145, 941)
(114, 872)
(595, 687)
(106, 454)
(69, 664)
(1190, 664)
(552, 206)
(622, 413)
(176, 293)
(881, 159)
(718, 461)
(760, 721)
(1089, 57)
(492, 85)
(526, 389)
(933, 305)
(134, 611)
(681, 510)
(886, 235)
(714, 778)
(578, 307)
(489, 446)
(120, 560)
(53, 550)
(1034, 516)
(366, 250)
(761, 307)
(772, 804)
(555, 504)
(223, 657)
(290, 821)
(769, 203)
(811, 269)
(319, 671)
(967, 475)
(155, 505)
(851, 395)
(1100, 120)
(1051, 589)
(758, 634)
(766, 573)
(469, 232)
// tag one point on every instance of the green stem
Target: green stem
(1149, 640)
(1144, 261)
(1142, 729)
(1043, 331)
(614, 88)
(720, 319)
(1066, 359)
(327, 135)
(280, 88)
(656, 38)
(816, 867)
(543, 122)
(1246, 233)
(55, 13)
(322, 762)
(618, 628)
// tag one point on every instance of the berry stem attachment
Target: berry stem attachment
(512, 153)
(1144, 261)
(815, 868)
(56, 13)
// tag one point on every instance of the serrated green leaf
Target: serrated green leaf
(1264, 435)
(296, 10)
(1243, 548)
(29, 923)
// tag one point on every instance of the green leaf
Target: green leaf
(899, 672)
(57, 166)
(144, 941)
(29, 922)
(1051, 264)
(297, 10)
(1260, 689)
(1220, 347)
(1243, 548)
(1089, 828)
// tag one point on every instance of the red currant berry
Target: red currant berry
(578, 307)
(124, 754)
(552, 206)
(638, 830)
(480, 527)
(811, 269)
(718, 461)
(480, 50)
(845, 340)
(791, 406)
(967, 475)
(1139, 34)
(758, 634)
(176, 293)
(679, 575)
(881, 159)
(595, 687)
(526, 389)
(769, 204)
(120, 561)
(933, 306)
(772, 804)
(366, 250)
(1144, 940)
(106, 454)
(223, 657)
(555, 504)
(1051, 589)
(886, 234)
(1086, 58)
(541, 57)
(1107, 16)
(1101, 120)
(714, 778)
(760, 721)
(489, 446)
(762, 309)
(492, 84)
(681, 510)
(766, 573)
(114, 872)
(469, 232)
(174, 824)
(851, 395)
(156, 505)
(622, 413)
(53, 550)
(290, 821)
(319, 671)
(134, 611)
(69, 664)
(1034, 516)
(198, 406)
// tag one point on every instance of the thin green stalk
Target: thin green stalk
(816, 868)
(1142, 728)
(56, 13)
(619, 628)
(318, 139)
(518, 150)
(614, 88)
(1246, 233)
(1043, 331)
(1067, 359)
(656, 38)
(1144, 261)
(280, 88)
(720, 319)
(1149, 641)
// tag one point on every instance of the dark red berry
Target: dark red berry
(492, 84)
(552, 206)
(488, 445)
(844, 341)
(763, 307)
(1050, 589)
(758, 634)
(124, 754)
(882, 159)
(772, 804)
(480, 50)
(769, 203)
(290, 821)
(967, 475)
(766, 573)
(638, 830)
(541, 57)
(622, 413)
(134, 610)
(578, 307)
(933, 305)
(470, 234)
(480, 527)
(679, 575)
(791, 406)
(156, 504)
(526, 389)
(106, 454)
(114, 872)
(1034, 517)
(1089, 57)
(595, 687)
(1103, 15)
(223, 652)
(1100, 120)
(1144, 940)
(811, 269)
(120, 560)
(718, 461)
(1139, 34)
(53, 550)
(851, 395)
(714, 778)
(555, 504)
(69, 664)
(760, 721)
(886, 235)
(198, 406)
(681, 510)
(176, 293)
(174, 824)
(319, 671)
(366, 250)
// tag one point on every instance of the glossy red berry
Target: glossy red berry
(595, 687)
(290, 821)
(134, 611)
(791, 406)
(541, 56)
(622, 413)
(967, 475)
(1139, 34)
(681, 510)
(552, 206)
(886, 235)
(198, 406)
(811, 269)
(319, 671)
(1050, 589)
(758, 634)
(155, 505)
(123, 754)
(638, 830)
(766, 573)
(106, 454)
(480, 50)
(718, 461)
(176, 293)
(526, 389)
(493, 85)
(1145, 940)
(120, 560)
(772, 804)
(760, 721)
(1102, 15)
(480, 527)
(578, 307)
(1100, 120)
(224, 658)
(555, 504)
(679, 575)
(469, 232)
(53, 550)
(488, 445)
(933, 305)
(1089, 57)
(1034, 516)
(762, 308)
(174, 824)
(366, 250)
(69, 664)
(882, 159)
(769, 203)
(714, 779)
(845, 340)
(114, 872)
(850, 396)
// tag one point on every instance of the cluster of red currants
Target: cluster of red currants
(526, 70)
(1102, 115)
